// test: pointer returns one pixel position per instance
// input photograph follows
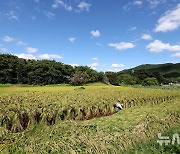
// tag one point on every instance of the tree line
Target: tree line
(16, 70)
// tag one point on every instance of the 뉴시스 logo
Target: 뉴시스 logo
(166, 139)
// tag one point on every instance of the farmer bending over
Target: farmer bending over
(118, 107)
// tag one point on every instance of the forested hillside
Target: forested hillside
(16, 70)
(168, 70)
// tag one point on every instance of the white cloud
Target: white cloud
(21, 43)
(84, 6)
(158, 46)
(60, 3)
(170, 21)
(94, 66)
(49, 56)
(95, 58)
(133, 28)
(25, 56)
(117, 67)
(95, 33)
(49, 14)
(146, 37)
(57, 3)
(110, 70)
(8, 39)
(177, 55)
(3, 50)
(72, 39)
(37, 1)
(31, 50)
(127, 7)
(122, 45)
(74, 65)
(138, 2)
(12, 39)
(154, 3)
(11, 15)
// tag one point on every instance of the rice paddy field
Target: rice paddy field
(67, 119)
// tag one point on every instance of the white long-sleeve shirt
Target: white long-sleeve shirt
(119, 106)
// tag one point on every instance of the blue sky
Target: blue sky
(103, 34)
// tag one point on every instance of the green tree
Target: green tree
(127, 79)
(150, 82)
(79, 78)
(113, 78)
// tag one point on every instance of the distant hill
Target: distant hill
(168, 70)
